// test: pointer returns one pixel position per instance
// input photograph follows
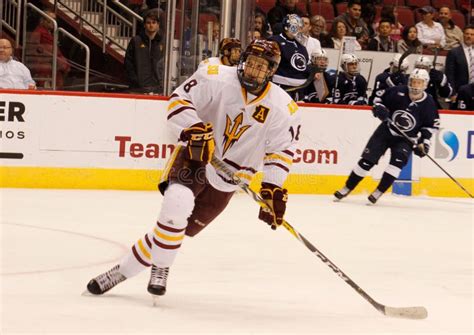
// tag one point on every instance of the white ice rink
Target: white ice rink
(237, 276)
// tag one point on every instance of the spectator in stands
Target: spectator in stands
(338, 31)
(390, 13)
(143, 58)
(410, 40)
(459, 66)
(312, 44)
(430, 33)
(368, 15)
(354, 23)
(276, 14)
(261, 24)
(465, 98)
(382, 41)
(43, 34)
(453, 33)
(13, 74)
(318, 31)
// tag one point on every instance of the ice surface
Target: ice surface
(237, 276)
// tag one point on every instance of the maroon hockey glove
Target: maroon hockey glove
(276, 198)
(201, 145)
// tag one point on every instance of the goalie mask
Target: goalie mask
(350, 64)
(418, 82)
(395, 63)
(230, 50)
(292, 25)
(424, 62)
(320, 60)
(257, 65)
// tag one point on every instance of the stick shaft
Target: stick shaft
(222, 167)
(432, 159)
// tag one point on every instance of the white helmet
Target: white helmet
(396, 62)
(418, 74)
(424, 62)
(320, 55)
(349, 59)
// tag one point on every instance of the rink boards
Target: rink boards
(104, 141)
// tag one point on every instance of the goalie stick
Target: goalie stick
(417, 312)
(309, 80)
(431, 158)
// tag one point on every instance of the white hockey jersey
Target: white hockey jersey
(251, 133)
(210, 61)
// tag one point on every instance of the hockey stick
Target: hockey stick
(418, 312)
(431, 158)
(407, 53)
(309, 80)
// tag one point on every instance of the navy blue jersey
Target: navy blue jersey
(439, 86)
(465, 98)
(293, 69)
(311, 95)
(386, 80)
(412, 117)
(350, 91)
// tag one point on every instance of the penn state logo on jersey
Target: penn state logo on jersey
(404, 120)
(298, 61)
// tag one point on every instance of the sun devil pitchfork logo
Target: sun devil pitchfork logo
(447, 145)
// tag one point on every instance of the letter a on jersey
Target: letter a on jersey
(233, 131)
(260, 113)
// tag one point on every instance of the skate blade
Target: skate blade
(86, 293)
(155, 300)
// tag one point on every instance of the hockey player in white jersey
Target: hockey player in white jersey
(229, 53)
(242, 119)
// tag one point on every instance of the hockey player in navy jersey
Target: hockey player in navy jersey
(438, 84)
(294, 67)
(390, 77)
(323, 78)
(465, 98)
(414, 112)
(350, 86)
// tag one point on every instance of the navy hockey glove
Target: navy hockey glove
(276, 198)
(380, 111)
(201, 145)
(436, 77)
(421, 149)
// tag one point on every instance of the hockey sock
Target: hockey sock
(386, 181)
(168, 234)
(360, 171)
(138, 259)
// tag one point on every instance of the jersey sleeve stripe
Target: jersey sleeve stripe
(284, 168)
(238, 167)
(179, 110)
(178, 102)
(289, 153)
(269, 157)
